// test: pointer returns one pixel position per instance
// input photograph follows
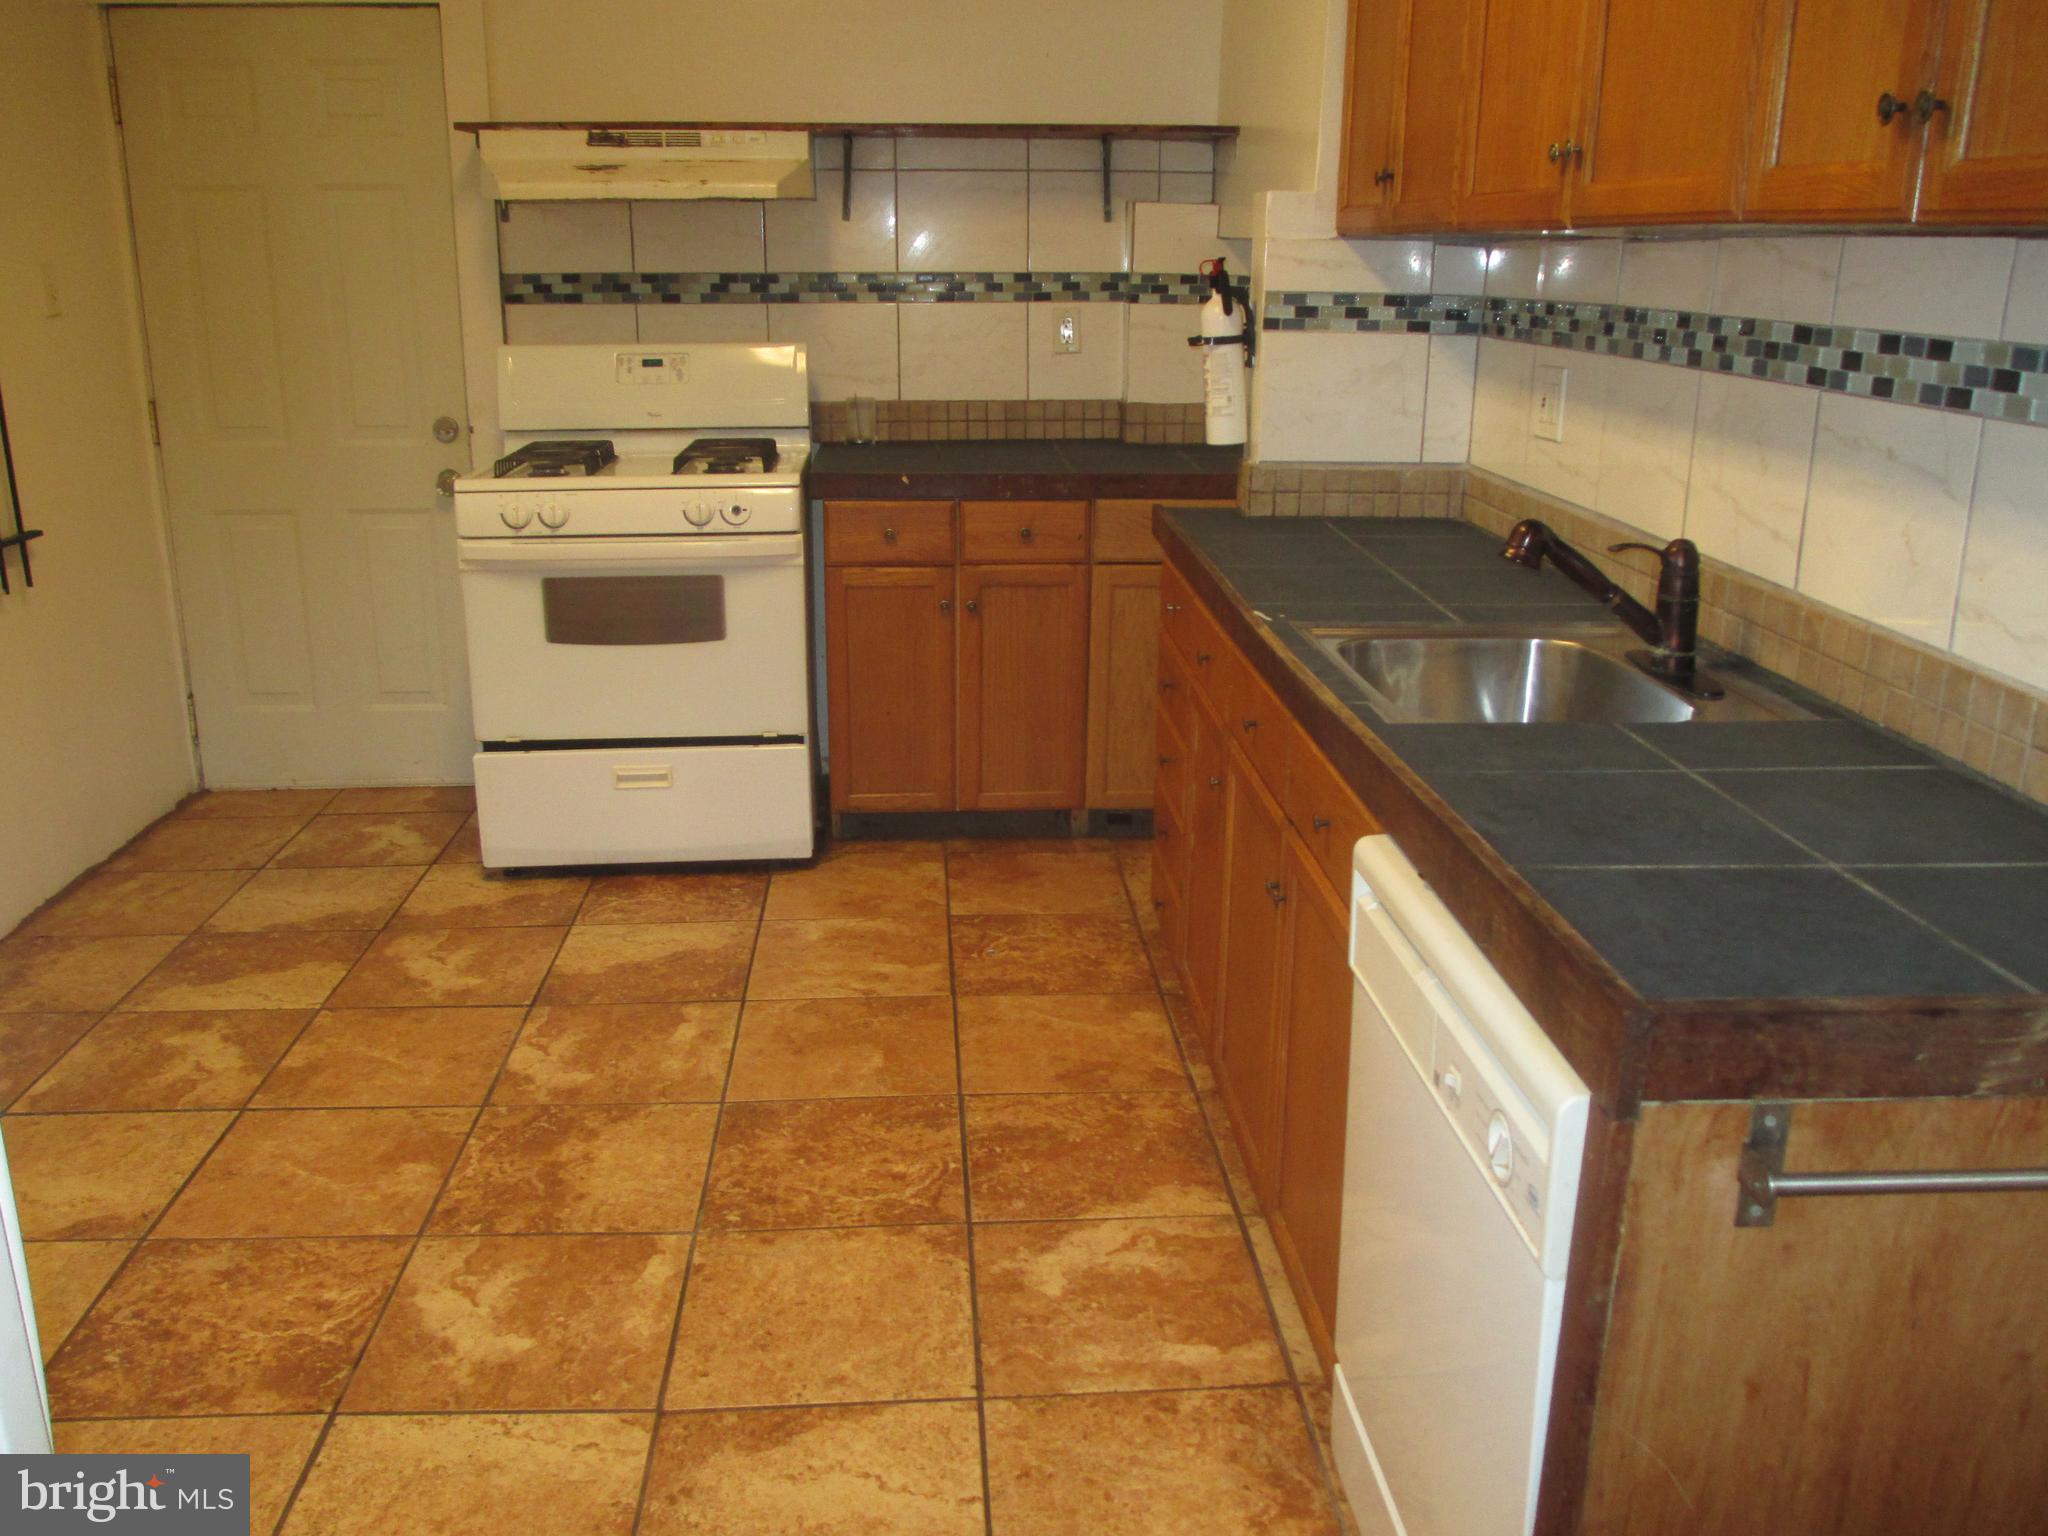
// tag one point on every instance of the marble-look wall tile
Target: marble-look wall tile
(2026, 304)
(1570, 469)
(1747, 493)
(1778, 278)
(1447, 412)
(869, 154)
(962, 154)
(1458, 269)
(1514, 270)
(1096, 372)
(703, 322)
(807, 235)
(960, 221)
(527, 324)
(1180, 155)
(2001, 620)
(1668, 274)
(713, 235)
(1086, 155)
(1187, 187)
(1581, 271)
(851, 347)
(1173, 237)
(1646, 447)
(1942, 284)
(1334, 397)
(1500, 406)
(1161, 368)
(1067, 230)
(565, 237)
(1886, 513)
(962, 351)
(1348, 266)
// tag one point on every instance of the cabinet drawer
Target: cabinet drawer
(1009, 531)
(1123, 532)
(1176, 704)
(1254, 719)
(1170, 783)
(1169, 856)
(1164, 930)
(888, 533)
(1328, 816)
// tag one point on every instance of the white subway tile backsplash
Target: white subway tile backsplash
(2026, 305)
(1160, 367)
(808, 235)
(1332, 397)
(1668, 274)
(1095, 372)
(1646, 446)
(1751, 452)
(1886, 513)
(851, 348)
(1447, 411)
(703, 322)
(714, 235)
(552, 324)
(1950, 286)
(1773, 278)
(960, 221)
(962, 154)
(2001, 621)
(962, 351)
(1068, 232)
(565, 237)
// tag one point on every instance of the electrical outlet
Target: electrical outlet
(1069, 335)
(1546, 408)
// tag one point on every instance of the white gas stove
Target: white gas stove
(633, 578)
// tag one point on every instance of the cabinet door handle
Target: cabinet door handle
(945, 605)
(1926, 104)
(1383, 177)
(1215, 783)
(1166, 685)
(888, 535)
(1319, 823)
(1165, 758)
(1201, 658)
(1024, 533)
(973, 605)
(1251, 725)
(1275, 890)
(1556, 151)
(1173, 607)
(1890, 106)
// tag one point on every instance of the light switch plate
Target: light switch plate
(1546, 406)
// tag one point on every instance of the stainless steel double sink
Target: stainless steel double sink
(1514, 675)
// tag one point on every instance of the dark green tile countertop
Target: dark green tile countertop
(1066, 468)
(1822, 862)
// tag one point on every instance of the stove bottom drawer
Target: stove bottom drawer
(653, 805)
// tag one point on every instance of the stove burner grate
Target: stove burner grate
(727, 456)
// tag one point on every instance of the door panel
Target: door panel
(1123, 682)
(1202, 956)
(1249, 1031)
(889, 664)
(1430, 119)
(288, 171)
(1371, 91)
(1023, 686)
(1987, 154)
(1820, 150)
(1525, 93)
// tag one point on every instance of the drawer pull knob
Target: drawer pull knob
(1173, 607)
(973, 605)
(1024, 533)
(1158, 905)
(1274, 890)
(1166, 685)
(1201, 658)
(1319, 823)
(1164, 759)
(945, 605)
(1251, 725)
(888, 535)
(1215, 783)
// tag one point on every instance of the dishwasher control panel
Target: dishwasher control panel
(1488, 1125)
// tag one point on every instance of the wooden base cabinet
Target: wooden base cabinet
(1123, 684)
(1023, 686)
(889, 653)
(1248, 1044)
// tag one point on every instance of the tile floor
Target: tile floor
(873, 1196)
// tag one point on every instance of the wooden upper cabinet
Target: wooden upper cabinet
(889, 655)
(1430, 117)
(1987, 148)
(1823, 144)
(1665, 110)
(1371, 89)
(1023, 686)
(1522, 132)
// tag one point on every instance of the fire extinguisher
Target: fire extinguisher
(1227, 344)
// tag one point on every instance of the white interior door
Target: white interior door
(289, 175)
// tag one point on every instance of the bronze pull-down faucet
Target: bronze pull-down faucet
(1672, 632)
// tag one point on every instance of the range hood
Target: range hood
(650, 164)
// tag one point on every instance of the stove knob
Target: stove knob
(698, 512)
(738, 513)
(515, 512)
(553, 514)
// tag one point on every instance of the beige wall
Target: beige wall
(1282, 85)
(811, 60)
(91, 694)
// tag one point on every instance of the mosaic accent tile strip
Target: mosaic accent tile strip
(850, 287)
(947, 421)
(1999, 380)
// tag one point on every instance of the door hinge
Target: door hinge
(156, 435)
(114, 94)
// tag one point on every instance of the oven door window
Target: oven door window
(633, 610)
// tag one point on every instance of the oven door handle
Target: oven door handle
(636, 553)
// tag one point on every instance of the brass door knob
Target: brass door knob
(1024, 534)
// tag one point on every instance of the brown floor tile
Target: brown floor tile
(675, 898)
(277, 1447)
(450, 968)
(404, 800)
(168, 1061)
(64, 1279)
(855, 1315)
(845, 1047)
(619, 1053)
(212, 804)
(837, 1163)
(183, 842)
(320, 1173)
(1067, 1044)
(449, 1475)
(311, 900)
(1071, 845)
(75, 975)
(580, 1168)
(1012, 956)
(392, 1056)
(226, 1327)
(465, 847)
(249, 970)
(851, 957)
(983, 884)
(115, 902)
(651, 963)
(30, 1044)
(331, 841)
(910, 1469)
(1054, 1156)
(102, 1175)
(1111, 1306)
(1192, 1463)
(862, 881)
(470, 896)
(503, 1324)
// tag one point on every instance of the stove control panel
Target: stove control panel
(523, 513)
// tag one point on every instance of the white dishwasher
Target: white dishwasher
(1461, 1169)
